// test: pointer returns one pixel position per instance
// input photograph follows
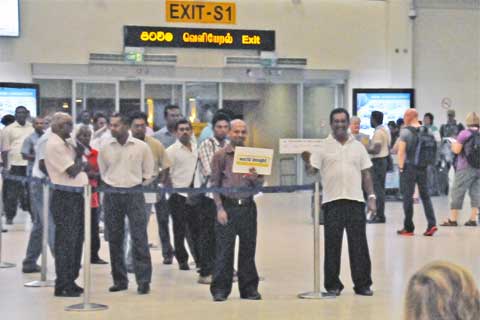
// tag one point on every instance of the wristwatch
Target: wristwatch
(372, 196)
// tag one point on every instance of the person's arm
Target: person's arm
(367, 185)
(147, 165)
(457, 147)
(5, 159)
(5, 148)
(216, 181)
(401, 154)
(27, 150)
(205, 154)
(77, 167)
(310, 170)
(164, 176)
(375, 145)
(42, 166)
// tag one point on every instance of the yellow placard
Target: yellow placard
(200, 12)
(247, 158)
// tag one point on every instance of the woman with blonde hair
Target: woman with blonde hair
(442, 291)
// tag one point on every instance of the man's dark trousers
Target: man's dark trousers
(117, 207)
(410, 176)
(185, 219)
(68, 216)
(379, 174)
(349, 215)
(163, 212)
(242, 221)
(15, 192)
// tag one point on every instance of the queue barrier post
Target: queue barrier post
(316, 293)
(87, 305)
(3, 265)
(43, 282)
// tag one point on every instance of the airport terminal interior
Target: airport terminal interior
(282, 66)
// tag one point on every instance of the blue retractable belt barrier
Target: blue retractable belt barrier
(150, 189)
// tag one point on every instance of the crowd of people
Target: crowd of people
(122, 152)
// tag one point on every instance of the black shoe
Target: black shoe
(98, 261)
(4, 230)
(168, 260)
(254, 295)
(334, 292)
(143, 288)
(364, 292)
(32, 269)
(130, 270)
(66, 293)
(184, 266)
(76, 288)
(219, 297)
(118, 287)
(376, 219)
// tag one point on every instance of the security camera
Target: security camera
(412, 13)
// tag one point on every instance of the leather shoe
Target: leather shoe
(219, 297)
(254, 295)
(66, 293)
(168, 260)
(364, 292)
(184, 266)
(33, 269)
(376, 219)
(118, 287)
(143, 288)
(98, 261)
(335, 292)
(77, 288)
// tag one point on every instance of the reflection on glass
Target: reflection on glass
(129, 96)
(55, 96)
(157, 97)
(95, 97)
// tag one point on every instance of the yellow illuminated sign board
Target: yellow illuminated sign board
(200, 12)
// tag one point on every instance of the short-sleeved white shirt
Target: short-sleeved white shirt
(382, 137)
(125, 166)
(12, 141)
(341, 168)
(183, 166)
(59, 156)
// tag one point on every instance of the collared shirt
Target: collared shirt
(12, 141)
(160, 157)
(382, 137)
(223, 176)
(28, 147)
(341, 168)
(40, 154)
(165, 137)
(206, 152)
(125, 166)
(184, 164)
(59, 156)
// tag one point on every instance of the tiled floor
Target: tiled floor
(284, 259)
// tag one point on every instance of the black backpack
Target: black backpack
(425, 147)
(471, 150)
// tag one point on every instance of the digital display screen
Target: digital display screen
(201, 38)
(392, 102)
(9, 18)
(13, 95)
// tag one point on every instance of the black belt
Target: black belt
(237, 202)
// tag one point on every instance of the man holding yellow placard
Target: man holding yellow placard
(236, 215)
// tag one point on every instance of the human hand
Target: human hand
(222, 217)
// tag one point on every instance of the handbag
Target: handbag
(195, 199)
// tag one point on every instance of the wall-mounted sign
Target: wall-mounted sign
(167, 37)
(200, 12)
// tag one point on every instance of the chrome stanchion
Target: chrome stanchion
(87, 305)
(316, 293)
(3, 265)
(43, 282)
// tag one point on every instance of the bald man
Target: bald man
(66, 168)
(236, 215)
(412, 173)
(355, 123)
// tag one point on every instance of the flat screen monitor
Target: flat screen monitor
(13, 95)
(392, 102)
(9, 18)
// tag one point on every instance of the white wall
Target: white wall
(355, 35)
(15, 72)
(447, 57)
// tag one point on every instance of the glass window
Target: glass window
(55, 96)
(157, 97)
(95, 97)
(129, 96)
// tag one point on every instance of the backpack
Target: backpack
(471, 150)
(425, 147)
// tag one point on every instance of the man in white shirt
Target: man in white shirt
(183, 155)
(126, 162)
(14, 164)
(379, 151)
(344, 167)
(65, 168)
